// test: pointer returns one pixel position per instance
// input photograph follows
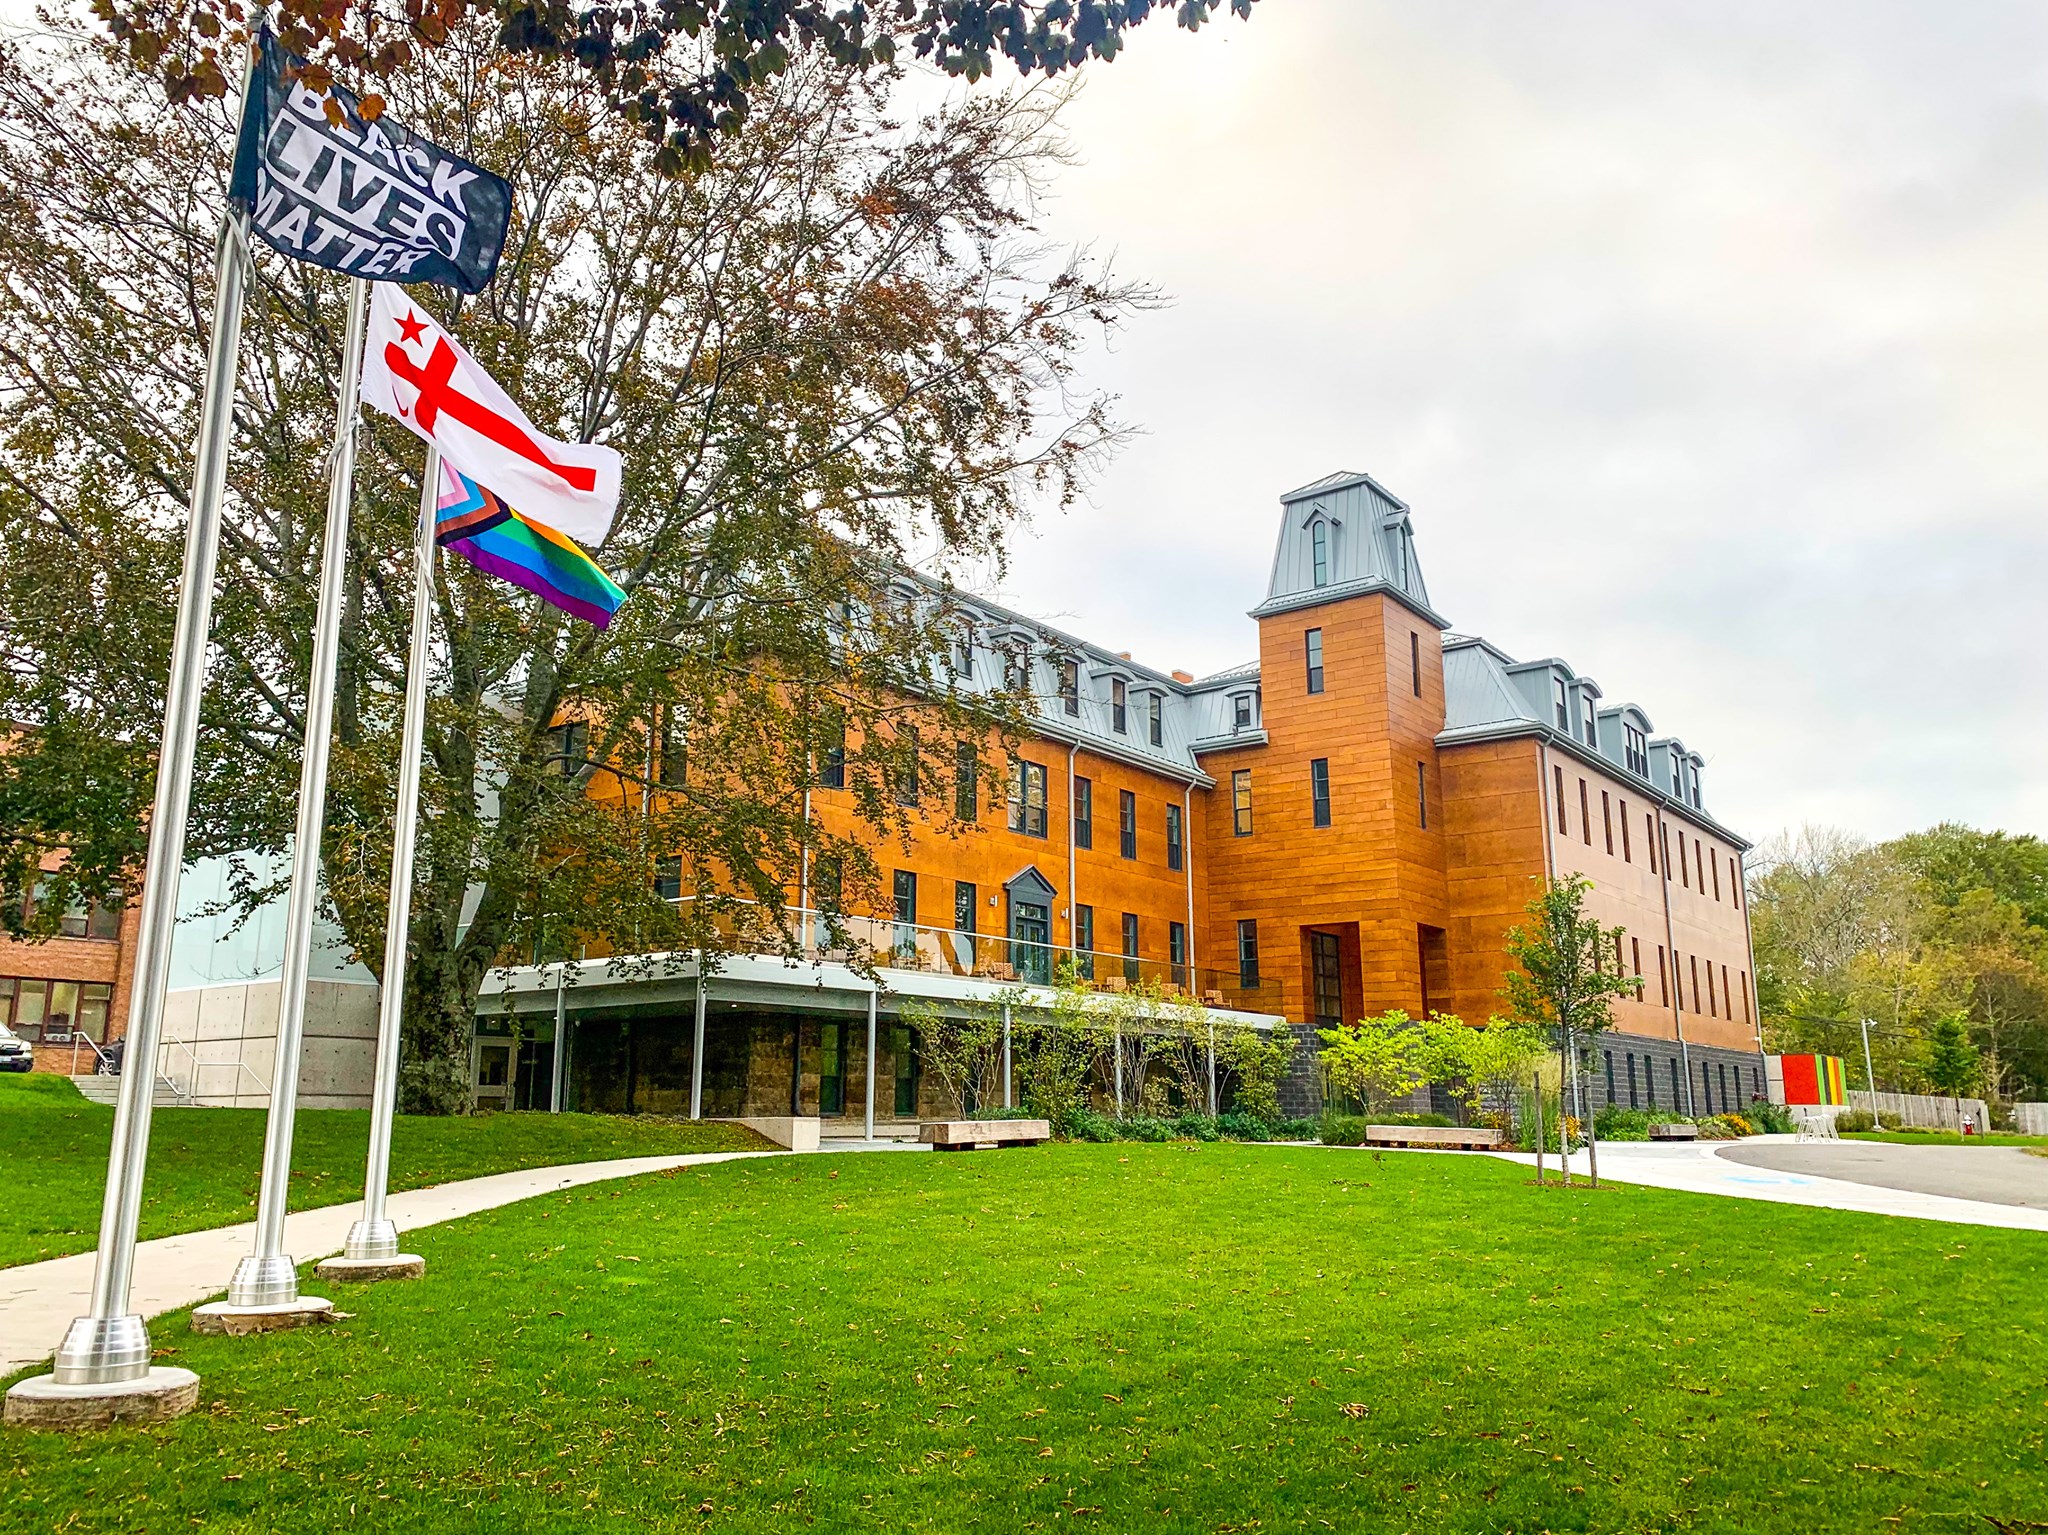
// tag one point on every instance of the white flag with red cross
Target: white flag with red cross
(416, 371)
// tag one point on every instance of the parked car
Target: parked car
(16, 1053)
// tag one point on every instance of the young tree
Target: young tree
(1375, 1060)
(682, 73)
(1952, 1061)
(839, 346)
(1568, 973)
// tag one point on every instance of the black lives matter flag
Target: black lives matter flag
(372, 199)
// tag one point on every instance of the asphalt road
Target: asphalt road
(2002, 1175)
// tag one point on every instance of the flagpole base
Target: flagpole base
(223, 1319)
(264, 1281)
(371, 1239)
(102, 1351)
(156, 1396)
(347, 1270)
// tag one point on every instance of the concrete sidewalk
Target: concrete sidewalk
(38, 1300)
(1698, 1167)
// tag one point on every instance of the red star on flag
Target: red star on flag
(413, 327)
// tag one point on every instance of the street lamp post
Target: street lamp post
(1869, 1076)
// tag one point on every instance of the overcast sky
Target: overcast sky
(1709, 344)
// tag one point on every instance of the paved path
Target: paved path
(1704, 1167)
(2001, 1175)
(38, 1300)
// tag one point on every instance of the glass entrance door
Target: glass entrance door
(1031, 942)
(1327, 975)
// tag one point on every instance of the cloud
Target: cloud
(1707, 343)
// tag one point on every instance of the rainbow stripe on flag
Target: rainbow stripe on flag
(476, 524)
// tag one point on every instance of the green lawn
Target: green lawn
(1944, 1138)
(1172, 1339)
(204, 1164)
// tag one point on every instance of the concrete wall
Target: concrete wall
(220, 1044)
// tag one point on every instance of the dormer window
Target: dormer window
(1635, 750)
(1592, 726)
(1070, 687)
(1155, 720)
(1017, 669)
(1319, 551)
(1119, 706)
(963, 653)
(1562, 700)
(1240, 711)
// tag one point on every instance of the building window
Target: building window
(1314, 640)
(1070, 687)
(1721, 1070)
(1585, 815)
(1155, 719)
(668, 879)
(1084, 813)
(963, 652)
(1127, 823)
(1695, 960)
(1635, 954)
(1673, 1064)
(966, 911)
(1745, 996)
(832, 750)
(1131, 947)
(1247, 954)
(1664, 839)
(1635, 751)
(1561, 701)
(1415, 662)
(1084, 942)
(1240, 712)
(1717, 875)
(967, 781)
(1017, 669)
(1119, 706)
(906, 911)
(569, 747)
(672, 752)
(1698, 862)
(1557, 774)
(1632, 1103)
(1727, 995)
(1713, 1002)
(1173, 837)
(1627, 851)
(831, 1069)
(906, 770)
(1319, 790)
(1734, 884)
(903, 1049)
(1326, 978)
(1592, 724)
(1663, 979)
(1027, 798)
(1609, 1054)
(1319, 552)
(1177, 951)
(1422, 795)
(1241, 802)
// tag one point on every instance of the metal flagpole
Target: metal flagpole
(265, 1286)
(101, 1373)
(871, 1065)
(372, 1250)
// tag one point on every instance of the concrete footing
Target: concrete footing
(370, 1270)
(41, 1402)
(219, 1319)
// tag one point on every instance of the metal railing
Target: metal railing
(1003, 959)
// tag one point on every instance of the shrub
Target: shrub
(1240, 1126)
(1614, 1123)
(1891, 1121)
(1143, 1128)
(1296, 1130)
(1724, 1127)
(1855, 1122)
(1771, 1118)
(1087, 1125)
(1343, 1130)
(1194, 1127)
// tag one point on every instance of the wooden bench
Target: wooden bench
(1674, 1132)
(984, 1134)
(1434, 1135)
